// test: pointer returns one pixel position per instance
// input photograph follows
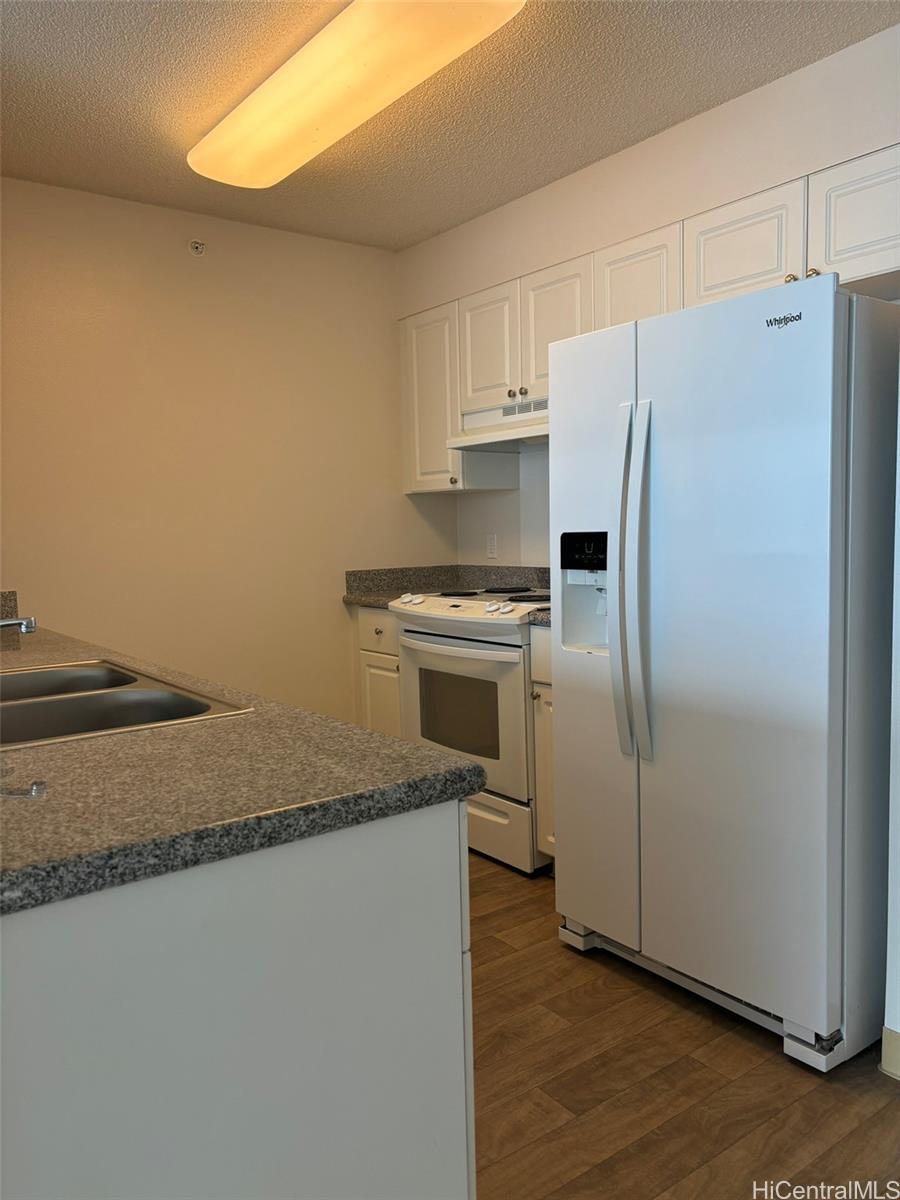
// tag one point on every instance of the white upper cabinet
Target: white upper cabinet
(556, 304)
(489, 347)
(638, 278)
(431, 398)
(753, 243)
(431, 413)
(854, 216)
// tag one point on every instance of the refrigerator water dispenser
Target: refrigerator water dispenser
(582, 560)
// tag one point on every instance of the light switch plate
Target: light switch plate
(492, 545)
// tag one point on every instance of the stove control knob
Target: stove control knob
(492, 607)
(406, 597)
(507, 608)
(417, 600)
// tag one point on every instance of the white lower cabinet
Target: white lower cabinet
(542, 699)
(292, 1022)
(854, 216)
(754, 243)
(380, 692)
(638, 278)
(378, 670)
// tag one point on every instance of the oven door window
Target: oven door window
(460, 712)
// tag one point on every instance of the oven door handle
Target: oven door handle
(485, 655)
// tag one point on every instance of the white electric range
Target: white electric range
(465, 686)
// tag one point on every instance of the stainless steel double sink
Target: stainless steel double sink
(85, 699)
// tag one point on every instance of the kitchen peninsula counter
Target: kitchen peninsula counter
(132, 804)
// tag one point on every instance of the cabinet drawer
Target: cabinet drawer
(540, 654)
(378, 631)
(502, 829)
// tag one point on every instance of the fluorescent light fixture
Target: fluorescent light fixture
(371, 54)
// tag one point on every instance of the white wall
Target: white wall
(832, 110)
(196, 449)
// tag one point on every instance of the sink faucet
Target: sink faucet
(23, 624)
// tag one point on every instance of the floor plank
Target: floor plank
(870, 1151)
(635, 1058)
(784, 1145)
(486, 949)
(541, 929)
(565, 1154)
(516, 1033)
(508, 1126)
(679, 1145)
(740, 1049)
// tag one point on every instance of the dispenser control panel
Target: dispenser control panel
(583, 551)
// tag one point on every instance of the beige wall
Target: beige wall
(195, 449)
(830, 111)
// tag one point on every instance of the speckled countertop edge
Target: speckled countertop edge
(44, 883)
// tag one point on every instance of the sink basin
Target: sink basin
(55, 681)
(95, 712)
(76, 700)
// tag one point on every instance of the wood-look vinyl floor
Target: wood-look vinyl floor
(595, 1079)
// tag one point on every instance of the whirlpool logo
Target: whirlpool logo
(783, 322)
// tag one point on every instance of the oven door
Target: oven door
(469, 698)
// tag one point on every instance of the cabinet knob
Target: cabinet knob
(397, 667)
(812, 272)
(535, 695)
(511, 393)
(523, 391)
(454, 480)
(378, 631)
(791, 278)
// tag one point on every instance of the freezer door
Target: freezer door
(592, 383)
(741, 426)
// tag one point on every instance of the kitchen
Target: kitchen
(217, 383)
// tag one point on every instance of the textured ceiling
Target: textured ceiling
(109, 97)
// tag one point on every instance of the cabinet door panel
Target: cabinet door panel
(431, 399)
(380, 689)
(556, 304)
(854, 216)
(742, 247)
(489, 346)
(638, 278)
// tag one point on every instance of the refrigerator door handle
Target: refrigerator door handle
(633, 548)
(615, 595)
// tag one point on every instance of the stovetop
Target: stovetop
(494, 605)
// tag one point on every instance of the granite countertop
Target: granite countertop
(135, 804)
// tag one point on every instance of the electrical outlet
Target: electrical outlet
(492, 545)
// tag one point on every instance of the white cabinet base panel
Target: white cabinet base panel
(290, 1024)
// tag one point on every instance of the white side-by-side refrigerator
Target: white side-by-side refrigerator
(721, 510)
